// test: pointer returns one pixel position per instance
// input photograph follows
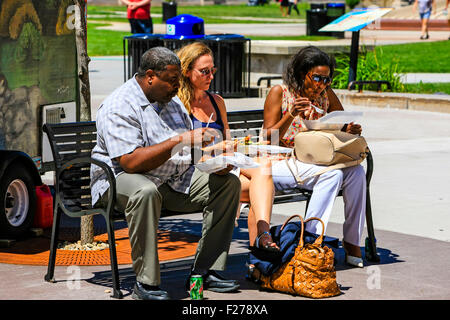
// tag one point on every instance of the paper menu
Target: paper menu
(332, 121)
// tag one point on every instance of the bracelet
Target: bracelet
(289, 111)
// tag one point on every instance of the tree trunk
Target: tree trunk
(87, 222)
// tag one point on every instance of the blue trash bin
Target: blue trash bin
(185, 26)
(183, 29)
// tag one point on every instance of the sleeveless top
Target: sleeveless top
(218, 124)
(425, 6)
(296, 125)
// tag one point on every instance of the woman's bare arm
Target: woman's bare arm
(273, 119)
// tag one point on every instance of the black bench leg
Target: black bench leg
(371, 246)
(53, 245)
(307, 205)
(112, 252)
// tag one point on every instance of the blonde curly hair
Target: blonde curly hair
(188, 56)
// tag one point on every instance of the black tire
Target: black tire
(16, 175)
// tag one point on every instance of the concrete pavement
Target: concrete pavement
(411, 268)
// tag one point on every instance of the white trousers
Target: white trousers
(325, 188)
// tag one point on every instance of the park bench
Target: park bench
(71, 145)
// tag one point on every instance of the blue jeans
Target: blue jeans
(141, 25)
(425, 15)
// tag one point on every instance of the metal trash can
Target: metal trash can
(232, 79)
(316, 18)
(334, 11)
(229, 51)
(169, 10)
(134, 47)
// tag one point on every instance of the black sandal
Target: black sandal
(253, 274)
(267, 246)
(266, 252)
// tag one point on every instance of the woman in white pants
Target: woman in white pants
(306, 93)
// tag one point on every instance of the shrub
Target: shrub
(371, 66)
(352, 3)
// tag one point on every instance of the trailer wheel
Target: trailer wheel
(18, 201)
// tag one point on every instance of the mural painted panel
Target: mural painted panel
(37, 66)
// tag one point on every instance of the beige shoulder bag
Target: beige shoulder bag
(334, 149)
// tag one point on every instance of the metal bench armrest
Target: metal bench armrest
(111, 190)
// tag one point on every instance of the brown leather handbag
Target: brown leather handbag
(309, 273)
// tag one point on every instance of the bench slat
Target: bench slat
(90, 136)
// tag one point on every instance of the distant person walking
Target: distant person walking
(284, 7)
(293, 4)
(446, 13)
(138, 14)
(425, 8)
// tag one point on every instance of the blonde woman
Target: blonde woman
(204, 108)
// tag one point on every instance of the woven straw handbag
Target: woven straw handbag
(309, 273)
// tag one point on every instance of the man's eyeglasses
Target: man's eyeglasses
(318, 78)
(208, 71)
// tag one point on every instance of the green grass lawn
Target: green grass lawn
(424, 57)
(209, 13)
(104, 42)
(443, 87)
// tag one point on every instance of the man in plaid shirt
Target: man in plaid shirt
(145, 135)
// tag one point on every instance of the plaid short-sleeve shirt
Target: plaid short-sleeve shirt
(126, 120)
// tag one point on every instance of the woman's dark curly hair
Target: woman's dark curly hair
(302, 62)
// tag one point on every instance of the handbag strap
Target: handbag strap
(295, 175)
(319, 240)
(301, 243)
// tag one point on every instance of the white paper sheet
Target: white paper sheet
(220, 162)
(333, 121)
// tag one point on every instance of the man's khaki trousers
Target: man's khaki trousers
(140, 199)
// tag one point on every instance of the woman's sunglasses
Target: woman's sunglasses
(318, 78)
(207, 71)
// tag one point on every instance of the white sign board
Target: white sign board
(356, 20)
